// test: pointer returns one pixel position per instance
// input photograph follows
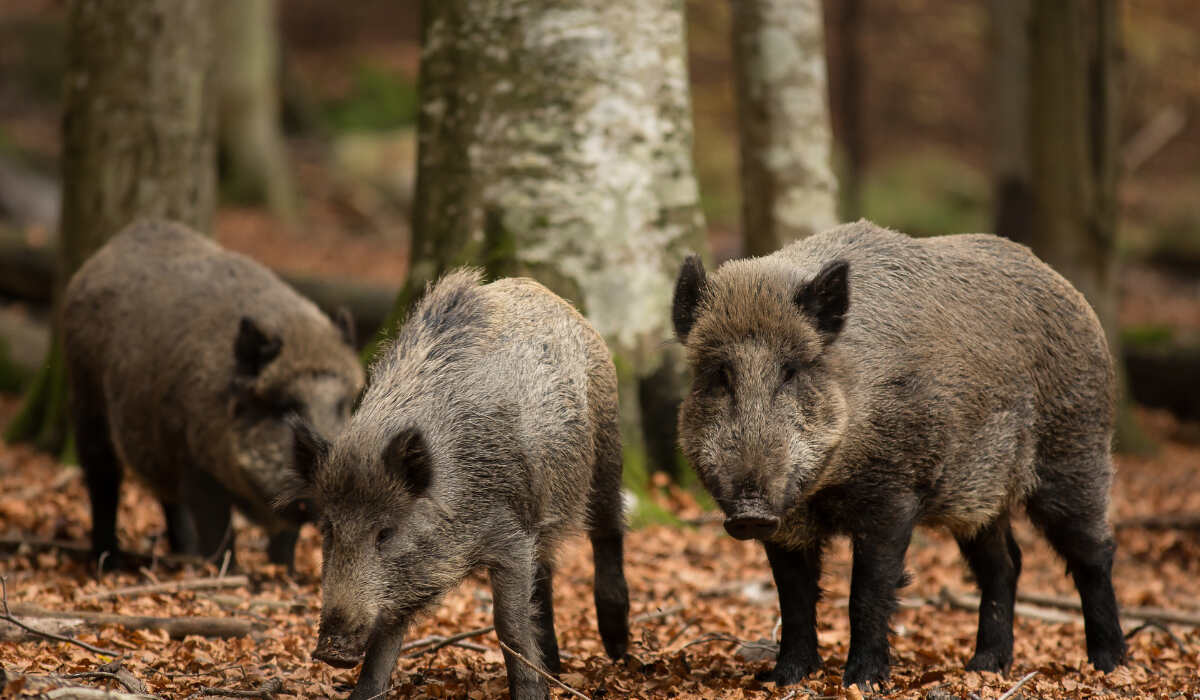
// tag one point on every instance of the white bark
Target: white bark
(789, 190)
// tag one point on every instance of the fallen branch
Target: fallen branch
(267, 690)
(1176, 521)
(1159, 626)
(81, 693)
(175, 627)
(197, 584)
(435, 643)
(1013, 690)
(1179, 617)
(722, 637)
(126, 679)
(8, 617)
(965, 601)
(542, 673)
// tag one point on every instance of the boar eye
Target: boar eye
(790, 369)
(384, 536)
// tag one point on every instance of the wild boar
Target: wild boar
(184, 360)
(487, 434)
(860, 382)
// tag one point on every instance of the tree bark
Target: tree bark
(555, 142)
(846, 77)
(248, 104)
(1012, 170)
(137, 141)
(788, 187)
(1073, 140)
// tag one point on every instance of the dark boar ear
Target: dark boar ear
(344, 321)
(827, 297)
(689, 287)
(407, 456)
(309, 449)
(253, 348)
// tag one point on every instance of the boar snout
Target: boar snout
(340, 648)
(750, 520)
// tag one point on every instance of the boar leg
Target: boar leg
(512, 600)
(606, 517)
(101, 470)
(995, 560)
(181, 529)
(543, 601)
(212, 513)
(877, 571)
(383, 648)
(797, 577)
(1070, 509)
(281, 548)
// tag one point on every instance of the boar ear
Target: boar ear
(827, 297)
(407, 456)
(253, 348)
(689, 287)
(309, 449)
(344, 321)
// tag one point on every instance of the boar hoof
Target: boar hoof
(1107, 660)
(788, 674)
(990, 661)
(867, 674)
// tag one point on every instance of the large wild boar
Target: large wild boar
(487, 434)
(184, 361)
(860, 382)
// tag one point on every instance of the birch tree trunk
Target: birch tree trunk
(555, 142)
(137, 141)
(248, 104)
(788, 187)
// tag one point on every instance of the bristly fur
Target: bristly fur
(184, 360)
(506, 400)
(944, 381)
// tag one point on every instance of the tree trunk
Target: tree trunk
(555, 142)
(1012, 170)
(788, 187)
(137, 141)
(846, 101)
(1073, 119)
(248, 104)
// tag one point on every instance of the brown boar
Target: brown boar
(184, 361)
(860, 382)
(487, 434)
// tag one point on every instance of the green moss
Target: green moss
(13, 378)
(1150, 335)
(927, 193)
(379, 100)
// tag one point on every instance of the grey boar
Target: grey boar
(487, 434)
(860, 382)
(184, 361)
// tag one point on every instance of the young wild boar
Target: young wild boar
(861, 382)
(184, 361)
(487, 434)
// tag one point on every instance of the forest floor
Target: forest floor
(704, 610)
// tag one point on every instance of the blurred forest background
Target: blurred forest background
(317, 180)
(930, 117)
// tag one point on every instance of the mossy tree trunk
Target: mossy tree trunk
(788, 187)
(138, 140)
(555, 142)
(248, 106)
(846, 79)
(1073, 140)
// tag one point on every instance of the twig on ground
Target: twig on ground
(225, 563)
(542, 673)
(432, 644)
(963, 601)
(81, 693)
(126, 679)
(687, 624)
(195, 584)
(57, 637)
(722, 637)
(659, 614)
(1159, 626)
(267, 690)
(1013, 690)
